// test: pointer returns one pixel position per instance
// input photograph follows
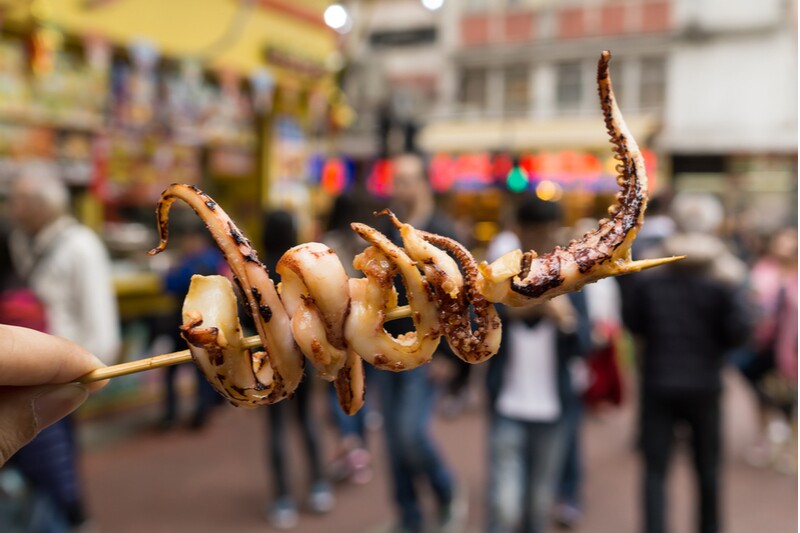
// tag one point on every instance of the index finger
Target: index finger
(29, 357)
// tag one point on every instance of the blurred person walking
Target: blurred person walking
(67, 268)
(530, 391)
(197, 256)
(352, 460)
(595, 381)
(408, 398)
(64, 262)
(280, 234)
(771, 363)
(685, 317)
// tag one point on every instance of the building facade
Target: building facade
(708, 87)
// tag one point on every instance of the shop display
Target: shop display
(126, 132)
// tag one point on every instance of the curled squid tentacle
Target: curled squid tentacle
(439, 268)
(600, 253)
(278, 369)
(372, 297)
(454, 292)
(314, 290)
(350, 385)
(482, 343)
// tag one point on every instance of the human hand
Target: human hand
(36, 371)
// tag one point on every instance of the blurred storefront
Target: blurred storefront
(124, 97)
(486, 80)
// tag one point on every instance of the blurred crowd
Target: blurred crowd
(731, 303)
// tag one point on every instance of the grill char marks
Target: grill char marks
(472, 345)
(541, 274)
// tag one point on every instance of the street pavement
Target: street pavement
(215, 479)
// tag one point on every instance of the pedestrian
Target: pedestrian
(771, 362)
(280, 234)
(66, 267)
(352, 460)
(529, 390)
(685, 318)
(64, 262)
(408, 398)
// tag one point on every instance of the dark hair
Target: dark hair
(344, 211)
(280, 232)
(533, 210)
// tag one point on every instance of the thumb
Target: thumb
(25, 411)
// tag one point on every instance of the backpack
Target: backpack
(19, 306)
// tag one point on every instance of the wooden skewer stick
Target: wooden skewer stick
(184, 356)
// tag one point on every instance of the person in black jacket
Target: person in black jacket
(529, 390)
(686, 316)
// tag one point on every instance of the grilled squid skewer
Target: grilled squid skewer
(316, 292)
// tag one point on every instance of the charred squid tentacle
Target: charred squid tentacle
(600, 253)
(279, 368)
(212, 329)
(350, 385)
(482, 343)
(371, 298)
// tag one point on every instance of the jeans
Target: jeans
(571, 476)
(525, 459)
(49, 464)
(204, 396)
(278, 417)
(659, 416)
(407, 402)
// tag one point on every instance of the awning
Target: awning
(515, 135)
(239, 35)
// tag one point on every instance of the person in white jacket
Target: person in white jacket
(64, 262)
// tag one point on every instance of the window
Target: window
(653, 82)
(473, 88)
(569, 86)
(516, 83)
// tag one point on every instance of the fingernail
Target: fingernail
(57, 403)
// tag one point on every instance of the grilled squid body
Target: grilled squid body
(526, 278)
(211, 327)
(278, 368)
(315, 293)
(314, 289)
